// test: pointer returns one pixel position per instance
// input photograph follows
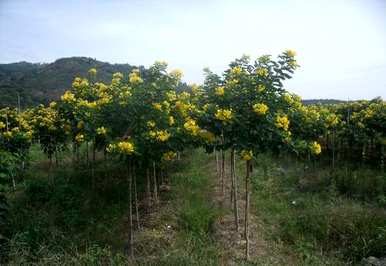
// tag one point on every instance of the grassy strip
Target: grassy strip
(193, 216)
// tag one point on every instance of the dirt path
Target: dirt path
(261, 251)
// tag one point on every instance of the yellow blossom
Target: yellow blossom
(171, 120)
(191, 126)
(150, 124)
(236, 70)
(117, 75)
(219, 91)
(262, 72)
(260, 87)
(101, 131)
(246, 155)
(224, 115)
(168, 156)
(92, 71)
(79, 138)
(68, 97)
(7, 134)
(134, 77)
(282, 122)
(290, 53)
(315, 148)
(260, 108)
(157, 106)
(207, 135)
(171, 95)
(125, 147)
(2, 125)
(162, 135)
(177, 73)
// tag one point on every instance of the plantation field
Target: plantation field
(236, 171)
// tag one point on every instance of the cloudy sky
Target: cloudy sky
(341, 44)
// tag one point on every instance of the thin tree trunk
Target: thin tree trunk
(148, 193)
(136, 197)
(130, 233)
(222, 172)
(232, 175)
(246, 222)
(87, 154)
(234, 180)
(217, 162)
(155, 183)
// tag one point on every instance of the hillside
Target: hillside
(41, 83)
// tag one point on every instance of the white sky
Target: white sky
(341, 44)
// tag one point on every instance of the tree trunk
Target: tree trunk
(130, 233)
(246, 222)
(234, 181)
(222, 172)
(217, 162)
(155, 191)
(136, 197)
(87, 155)
(148, 185)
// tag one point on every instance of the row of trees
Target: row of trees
(142, 120)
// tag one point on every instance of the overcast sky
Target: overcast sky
(341, 44)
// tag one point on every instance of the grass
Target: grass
(319, 223)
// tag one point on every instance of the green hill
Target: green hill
(41, 83)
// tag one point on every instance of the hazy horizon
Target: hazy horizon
(341, 46)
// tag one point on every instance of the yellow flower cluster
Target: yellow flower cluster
(134, 77)
(224, 115)
(236, 70)
(125, 147)
(219, 91)
(315, 148)
(168, 156)
(171, 96)
(151, 124)
(118, 75)
(160, 135)
(85, 103)
(191, 126)
(290, 53)
(246, 155)
(68, 97)
(171, 120)
(206, 135)
(101, 131)
(260, 108)
(7, 134)
(332, 120)
(2, 125)
(92, 71)
(282, 122)
(262, 72)
(79, 138)
(176, 73)
(157, 106)
(260, 87)
(80, 83)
